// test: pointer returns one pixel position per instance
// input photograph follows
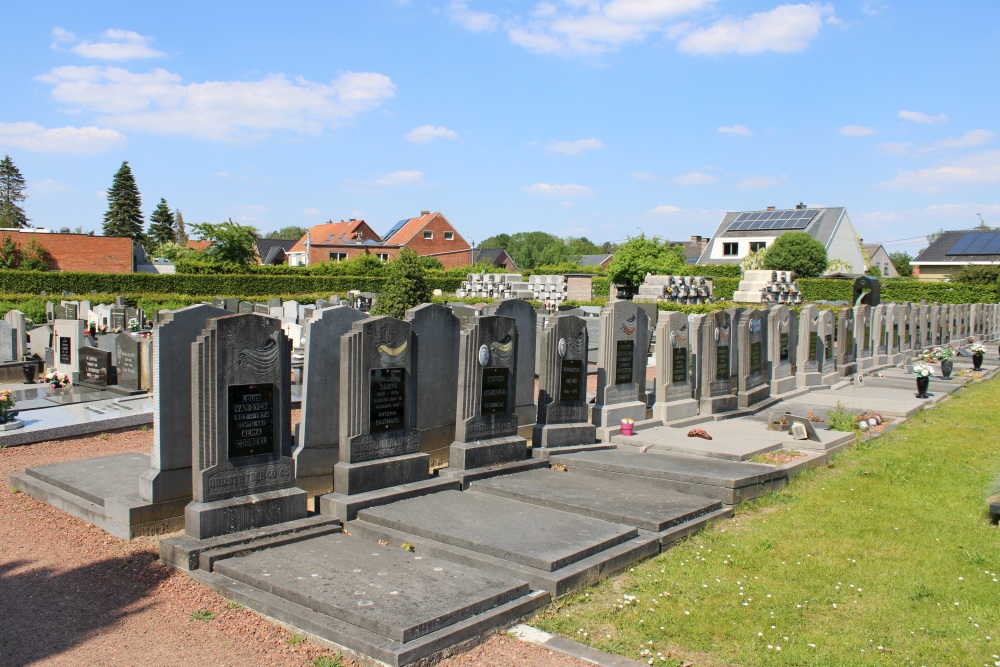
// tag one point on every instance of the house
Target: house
(953, 250)
(743, 232)
(694, 248)
(81, 252)
(430, 235)
(272, 252)
(597, 261)
(333, 242)
(877, 256)
(497, 257)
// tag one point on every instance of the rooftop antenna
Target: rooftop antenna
(982, 223)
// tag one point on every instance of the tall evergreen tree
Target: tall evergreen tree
(124, 216)
(161, 225)
(182, 235)
(11, 195)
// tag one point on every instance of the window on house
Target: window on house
(730, 248)
(449, 236)
(384, 256)
(428, 234)
(757, 245)
(885, 270)
(338, 257)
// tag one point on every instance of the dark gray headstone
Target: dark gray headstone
(562, 398)
(435, 340)
(232, 305)
(95, 367)
(526, 319)
(127, 361)
(245, 307)
(621, 366)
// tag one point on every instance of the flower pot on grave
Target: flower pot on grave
(922, 384)
(946, 367)
(628, 428)
(29, 373)
(977, 362)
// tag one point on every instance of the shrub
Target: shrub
(798, 252)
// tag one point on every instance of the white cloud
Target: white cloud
(47, 187)
(70, 140)
(641, 11)
(975, 169)
(897, 148)
(754, 182)
(920, 117)
(970, 139)
(665, 210)
(558, 190)
(738, 130)
(784, 29)
(695, 178)
(857, 131)
(405, 177)
(574, 147)
(425, 133)
(159, 102)
(116, 45)
(470, 20)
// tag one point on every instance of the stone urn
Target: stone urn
(977, 362)
(29, 373)
(946, 367)
(922, 384)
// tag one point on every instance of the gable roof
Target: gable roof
(268, 249)
(821, 227)
(404, 230)
(939, 251)
(594, 260)
(494, 256)
(331, 233)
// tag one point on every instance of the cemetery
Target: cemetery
(455, 470)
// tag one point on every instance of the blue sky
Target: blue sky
(575, 117)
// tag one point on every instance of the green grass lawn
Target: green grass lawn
(886, 556)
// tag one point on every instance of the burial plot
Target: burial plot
(436, 344)
(810, 351)
(782, 337)
(827, 328)
(18, 323)
(621, 367)
(674, 390)
(485, 421)
(526, 320)
(844, 348)
(131, 365)
(241, 429)
(95, 368)
(717, 361)
(317, 437)
(68, 337)
(562, 398)
(753, 378)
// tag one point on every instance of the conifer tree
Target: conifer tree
(124, 216)
(182, 236)
(161, 225)
(11, 195)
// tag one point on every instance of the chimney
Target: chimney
(770, 208)
(800, 206)
(425, 213)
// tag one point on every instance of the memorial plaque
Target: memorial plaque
(251, 420)
(496, 391)
(118, 320)
(680, 365)
(783, 346)
(624, 351)
(71, 311)
(65, 350)
(127, 361)
(245, 307)
(387, 400)
(755, 360)
(813, 345)
(571, 380)
(722, 362)
(94, 366)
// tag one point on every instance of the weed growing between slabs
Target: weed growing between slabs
(886, 556)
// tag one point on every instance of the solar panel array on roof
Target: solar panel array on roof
(395, 228)
(977, 243)
(796, 218)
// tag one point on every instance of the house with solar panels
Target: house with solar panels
(953, 250)
(743, 232)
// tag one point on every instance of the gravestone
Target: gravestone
(879, 335)
(753, 377)
(128, 361)
(863, 337)
(40, 339)
(718, 361)
(8, 343)
(894, 323)
(562, 382)
(435, 371)
(101, 314)
(317, 437)
(245, 308)
(262, 309)
(290, 310)
(782, 338)
(50, 312)
(844, 347)
(95, 367)
(118, 320)
(907, 326)
(827, 331)
(934, 325)
(379, 446)
(72, 310)
(621, 366)
(809, 355)
(241, 430)
(170, 472)
(18, 323)
(485, 420)
(526, 320)
(674, 369)
(60, 313)
(218, 302)
(68, 338)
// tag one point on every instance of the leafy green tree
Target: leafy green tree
(291, 232)
(901, 260)
(837, 265)
(798, 252)
(30, 258)
(232, 243)
(405, 287)
(639, 256)
(754, 261)
(162, 226)
(10, 253)
(172, 250)
(124, 215)
(182, 236)
(11, 195)
(873, 271)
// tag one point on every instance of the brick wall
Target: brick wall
(451, 253)
(80, 252)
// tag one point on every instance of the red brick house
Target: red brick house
(81, 252)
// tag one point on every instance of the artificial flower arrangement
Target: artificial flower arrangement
(922, 370)
(941, 353)
(57, 379)
(977, 348)
(7, 403)
(628, 420)
(103, 328)
(133, 324)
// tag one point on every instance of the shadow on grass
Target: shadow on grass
(45, 612)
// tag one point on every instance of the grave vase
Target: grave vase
(922, 384)
(946, 367)
(29, 373)
(977, 362)
(627, 427)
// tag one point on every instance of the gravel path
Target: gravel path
(71, 594)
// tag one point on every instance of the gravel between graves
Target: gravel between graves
(71, 594)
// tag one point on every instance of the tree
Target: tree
(182, 236)
(901, 260)
(232, 243)
(405, 286)
(30, 258)
(837, 265)
(798, 252)
(11, 195)
(171, 250)
(873, 271)
(161, 225)
(292, 232)
(754, 260)
(124, 216)
(639, 256)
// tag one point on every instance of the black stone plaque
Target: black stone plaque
(722, 362)
(95, 366)
(571, 385)
(118, 319)
(624, 350)
(71, 311)
(895, 335)
(65, 350)
(783, 347)
(755, 360)
(813, 346)
(387, 400)
(867, 342)
(245, 307)
(680, 365)
(496, 391)
(251, 420)
(127, 365)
